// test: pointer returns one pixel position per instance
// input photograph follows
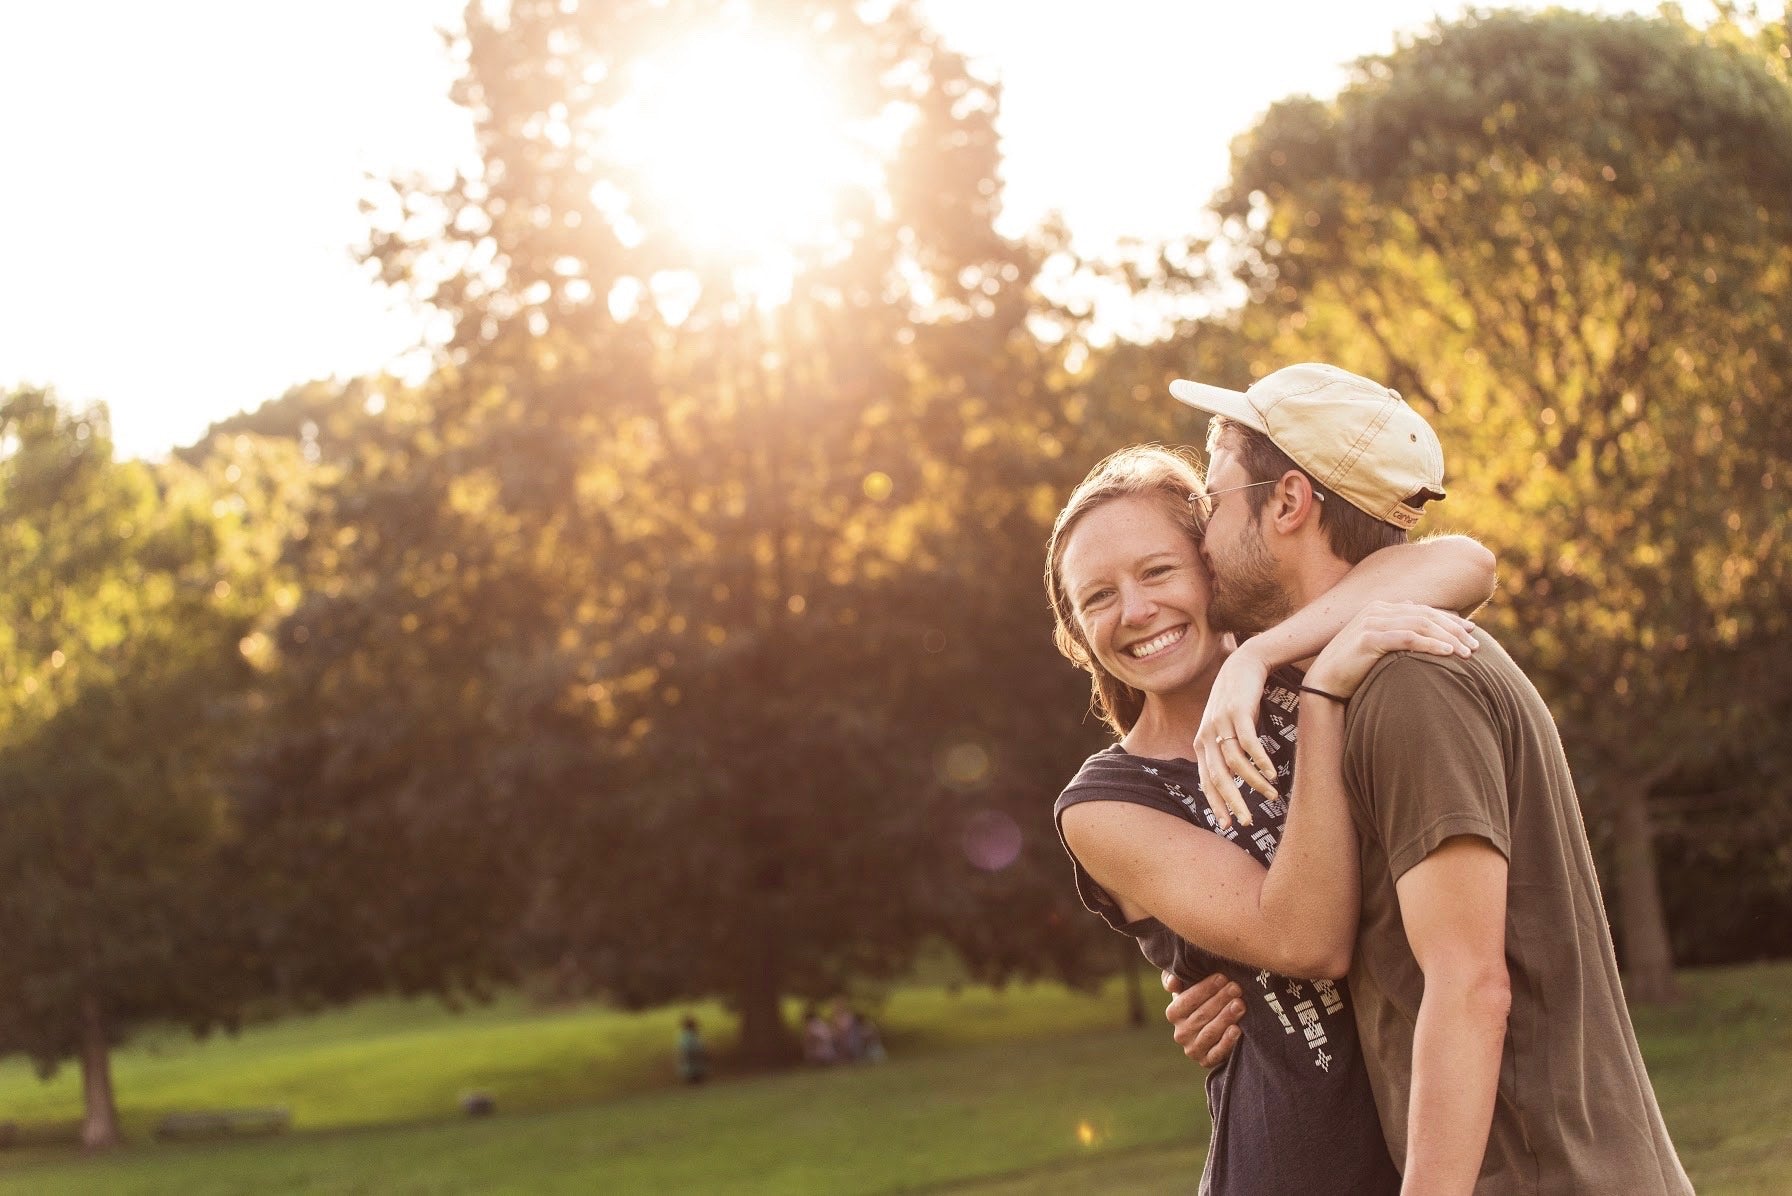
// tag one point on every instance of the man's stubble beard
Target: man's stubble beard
(1247, 597)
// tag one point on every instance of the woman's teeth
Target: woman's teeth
(1156, 643)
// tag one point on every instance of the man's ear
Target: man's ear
(1294, 504)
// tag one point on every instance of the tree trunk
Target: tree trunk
(764, 1040)
(99, 1129)
(1135, 992)
(1642, 924)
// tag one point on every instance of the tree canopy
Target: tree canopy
(1565, 238)
(682, 633)
(651, 622)
(126, 598)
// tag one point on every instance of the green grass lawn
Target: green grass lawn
(385, 1062)
(1034, 1091)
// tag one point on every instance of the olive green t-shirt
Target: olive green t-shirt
(1442, 746)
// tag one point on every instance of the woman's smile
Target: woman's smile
(1161, 642)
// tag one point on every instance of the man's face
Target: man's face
(1247, 592)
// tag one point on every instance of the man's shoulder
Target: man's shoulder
(1425, 671)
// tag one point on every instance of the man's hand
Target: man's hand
(1205, 1017)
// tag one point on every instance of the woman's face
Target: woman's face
(1139, 594)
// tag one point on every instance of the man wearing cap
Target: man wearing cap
(1488, 1002)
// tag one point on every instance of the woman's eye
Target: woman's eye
(1098, 598)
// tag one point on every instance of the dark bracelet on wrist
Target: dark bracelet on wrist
(1320, 693)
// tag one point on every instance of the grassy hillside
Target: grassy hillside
(1034, 1091)
(389, 1062)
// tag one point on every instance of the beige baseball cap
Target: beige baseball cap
(1357, 438)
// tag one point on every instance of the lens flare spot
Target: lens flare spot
(1087, 1134)
(991, 840)
(964, 765)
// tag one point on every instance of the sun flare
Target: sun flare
(740, 149)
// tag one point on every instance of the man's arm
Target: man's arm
(1453, 903)
(1450, 572)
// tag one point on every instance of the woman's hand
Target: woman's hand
(1383, 627)
(1226, 744)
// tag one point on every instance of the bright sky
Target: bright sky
(182, 177)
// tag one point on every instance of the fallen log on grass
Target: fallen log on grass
(211, 1123)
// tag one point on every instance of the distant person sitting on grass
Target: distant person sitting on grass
(818, 1039)
(693, 1056)
(871, 1042)
(849, 1043)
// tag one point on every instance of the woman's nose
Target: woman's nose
(1137, 607)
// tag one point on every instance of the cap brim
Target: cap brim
(1217, 400)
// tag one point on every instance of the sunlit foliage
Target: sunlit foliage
(634, 641)
(1566, 239)
(129, 601)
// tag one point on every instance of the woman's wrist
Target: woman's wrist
(1329, 680)
(1322, 692)
(1253, 653)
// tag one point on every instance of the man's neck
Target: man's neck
(1310, 577)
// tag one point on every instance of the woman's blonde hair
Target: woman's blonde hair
(1172, 476)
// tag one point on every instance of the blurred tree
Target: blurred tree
(128, 596)
(1727, 880)
(1565, 238)
(668, 623)
(414, 709)
(323, 419)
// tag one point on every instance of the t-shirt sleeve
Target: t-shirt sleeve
(1095, 898)
(1424, 760)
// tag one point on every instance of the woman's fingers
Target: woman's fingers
(1241, 808)
(1439, 633)
(1430, 642)
(1213, 781)
(1263, 768)
(1386, 627)
(1457, 630)
(1234, 754)
(1226, 777)
(1220, 785)
(1245, 766)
